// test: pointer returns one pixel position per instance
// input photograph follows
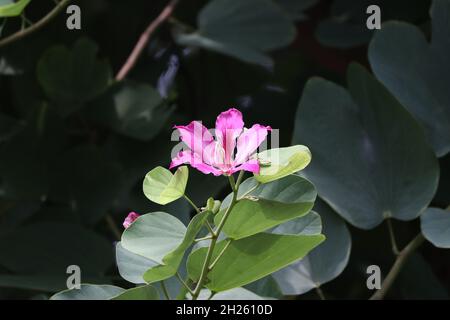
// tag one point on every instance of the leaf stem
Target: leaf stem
(402, 257)
(184, 283)
(392, 237)
(192, 203)
(39, 24)
(165, 291)
(215, 235)
(220, 254)
(320, 293)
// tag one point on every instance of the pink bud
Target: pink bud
(130, 219)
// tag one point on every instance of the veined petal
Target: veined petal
(195, 135)
(249, 141)
(251, 165)
(229, 125)
(195, 161)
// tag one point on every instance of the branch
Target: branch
(398, 264)
(35, 27)
(144, 38)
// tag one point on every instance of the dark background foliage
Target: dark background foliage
(71, 169)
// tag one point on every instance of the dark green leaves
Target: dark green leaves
(371, 159)
(241, 29)
(419, 80)
(72, 77)
(132, 109)
(435, 225)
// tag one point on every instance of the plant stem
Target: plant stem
(192, 203)
(402, 257)
(39, 24)
(220, 254)
(215, 235)
(164, 289)
(144, 38)
(184, 283)
(392, 237)
(320, 293)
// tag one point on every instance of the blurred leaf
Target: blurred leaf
(9, 8)
(280, 162)
(238, 29)
(418, 80)
(252, 258)
(371, 160)
(52, 247)
(89, 292)
(132, 109)
(132, 266)
(265, 287)
(435, 225)
(147, 292)
(232, 294)
(295, 8)
(324, 263)
(71, 78)
(8, 127)
(163, 187)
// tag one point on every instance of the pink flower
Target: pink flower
(132, 216)
(231, 151)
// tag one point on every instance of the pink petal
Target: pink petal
(251, 165)
(132, 216)
(195, 161)
(195, 135)
(249, 141)
(229, 125)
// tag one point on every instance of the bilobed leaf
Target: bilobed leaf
(252, 258)
(371, 158)
(154, 235)
(325, 262)
(162, 187)
(435, 225)
(147, 292)
(10, 8)
(132, 109)
(70, 78)
(281, 162)
(132, 266)
(235, 28)
(419, 80)
(89, 292)
(267, 206)
(172, 260)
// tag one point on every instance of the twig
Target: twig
(39, 24)
(144, 38)
(392, 237)
(398, 264)
(320, 293)
(192, 203)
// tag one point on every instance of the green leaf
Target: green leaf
(265, 287)
(235, 28)
(70, 78)
(147, 292)
(435, 225)
(12, 9)
(154, 235)
(252, 258)
(324, 263)
(371, 159)
(162, 187)
(267, 206)
(132, 266)
(419, 81)
(89, 292)
(281, 162)
(172, 260)
(132, 109)
(52, 247)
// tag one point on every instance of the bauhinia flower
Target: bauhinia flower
(233, 149)
(132, 216)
